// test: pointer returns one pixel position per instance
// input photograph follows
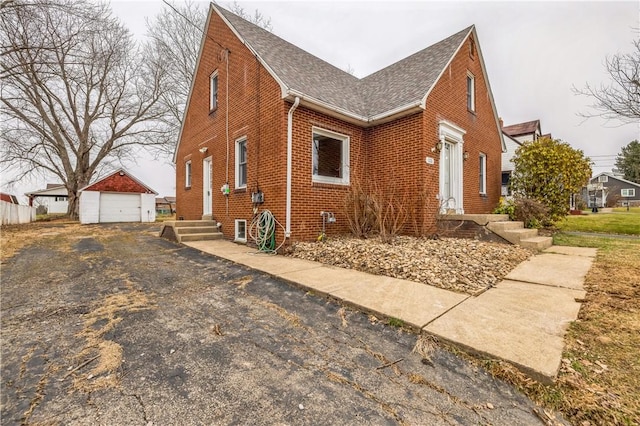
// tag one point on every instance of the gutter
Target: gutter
(287, 231)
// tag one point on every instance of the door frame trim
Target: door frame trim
(454, 135)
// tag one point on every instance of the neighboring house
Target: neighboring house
(270, 126)
(12, 199)
(514, 136)
(118, 197)
(165, 205)
(609, 190)
(55, 198)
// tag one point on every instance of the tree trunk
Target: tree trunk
(73, 209)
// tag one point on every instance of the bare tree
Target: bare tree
(621, 98)
(176, 34)
(257, 18)
(77, 93)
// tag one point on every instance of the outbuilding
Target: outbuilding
(118, 197)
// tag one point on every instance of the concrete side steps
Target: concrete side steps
(190, 230)
(537, 243)
(517, 234)
(201, 237)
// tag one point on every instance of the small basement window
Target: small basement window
(330, 157)
(241, 231)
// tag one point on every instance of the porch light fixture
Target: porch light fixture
(439, 146)
(203, 149)
(465, 155)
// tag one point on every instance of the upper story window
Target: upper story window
(471, 92)
(603, 178)
(187, 174)
(483, 174)
(330, 157)
(213, 91)
(241, 163)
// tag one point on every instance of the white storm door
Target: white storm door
(207, 184)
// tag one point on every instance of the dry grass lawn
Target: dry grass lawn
(599, 381)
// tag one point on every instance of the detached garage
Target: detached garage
(119, 197)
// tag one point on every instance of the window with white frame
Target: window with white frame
(213, 91)
(187, 174)
(483, 173)
(241, 163)
(330, 157)
(628, 192)
(471, 92)
(241, 231)
(603, 178)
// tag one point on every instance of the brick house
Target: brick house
(270, 126)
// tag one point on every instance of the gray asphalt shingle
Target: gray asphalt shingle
(402, 83)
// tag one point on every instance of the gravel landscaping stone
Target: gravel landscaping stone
(462, 265)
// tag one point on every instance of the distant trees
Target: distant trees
(628, 161)
(621, 98)
(549, 171)
(77, 92)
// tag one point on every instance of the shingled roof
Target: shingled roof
(519, 129)
(402, 84)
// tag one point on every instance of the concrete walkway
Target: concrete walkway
(522, 319)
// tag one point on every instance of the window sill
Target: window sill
(470, 111)
(330, 182)
(186, 188)
(240, 190)
(211, 111)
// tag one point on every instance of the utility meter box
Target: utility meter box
(257, 197)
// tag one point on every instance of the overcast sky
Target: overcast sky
(535, 52)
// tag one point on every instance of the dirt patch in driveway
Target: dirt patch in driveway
(112, 325)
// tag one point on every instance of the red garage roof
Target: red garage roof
(119, 181)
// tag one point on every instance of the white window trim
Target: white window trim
(237, 162)
(344, 161)
(603, 179)
(472, 78)
(628, 192)
(236, 228)
(188, 170)
(212, 96)
(483, 177)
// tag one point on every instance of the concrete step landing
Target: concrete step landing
(190, 230)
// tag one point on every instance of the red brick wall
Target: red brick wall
(255, 111)
(393, 154)
(118, 183)
(448, 101)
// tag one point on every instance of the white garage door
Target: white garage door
(117, 207)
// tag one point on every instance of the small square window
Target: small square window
(603, 178)
(187, 174)
(330, 157)
(213, 91)
(241, 231)
(241, 163)
(482, 178)
(471, 93)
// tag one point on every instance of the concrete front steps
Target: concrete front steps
(500, 225)
(190, 230)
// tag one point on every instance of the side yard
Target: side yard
(599, 380)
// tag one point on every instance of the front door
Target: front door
(451, 178)
(207, 194)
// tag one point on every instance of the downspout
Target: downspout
(287, 231)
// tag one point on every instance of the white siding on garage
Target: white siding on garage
(89, 207)
(148, 207)
(119, 207)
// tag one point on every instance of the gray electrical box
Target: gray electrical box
(257, 197)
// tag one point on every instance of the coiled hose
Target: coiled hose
(263, 231)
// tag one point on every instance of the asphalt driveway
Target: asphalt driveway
(111, 325)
